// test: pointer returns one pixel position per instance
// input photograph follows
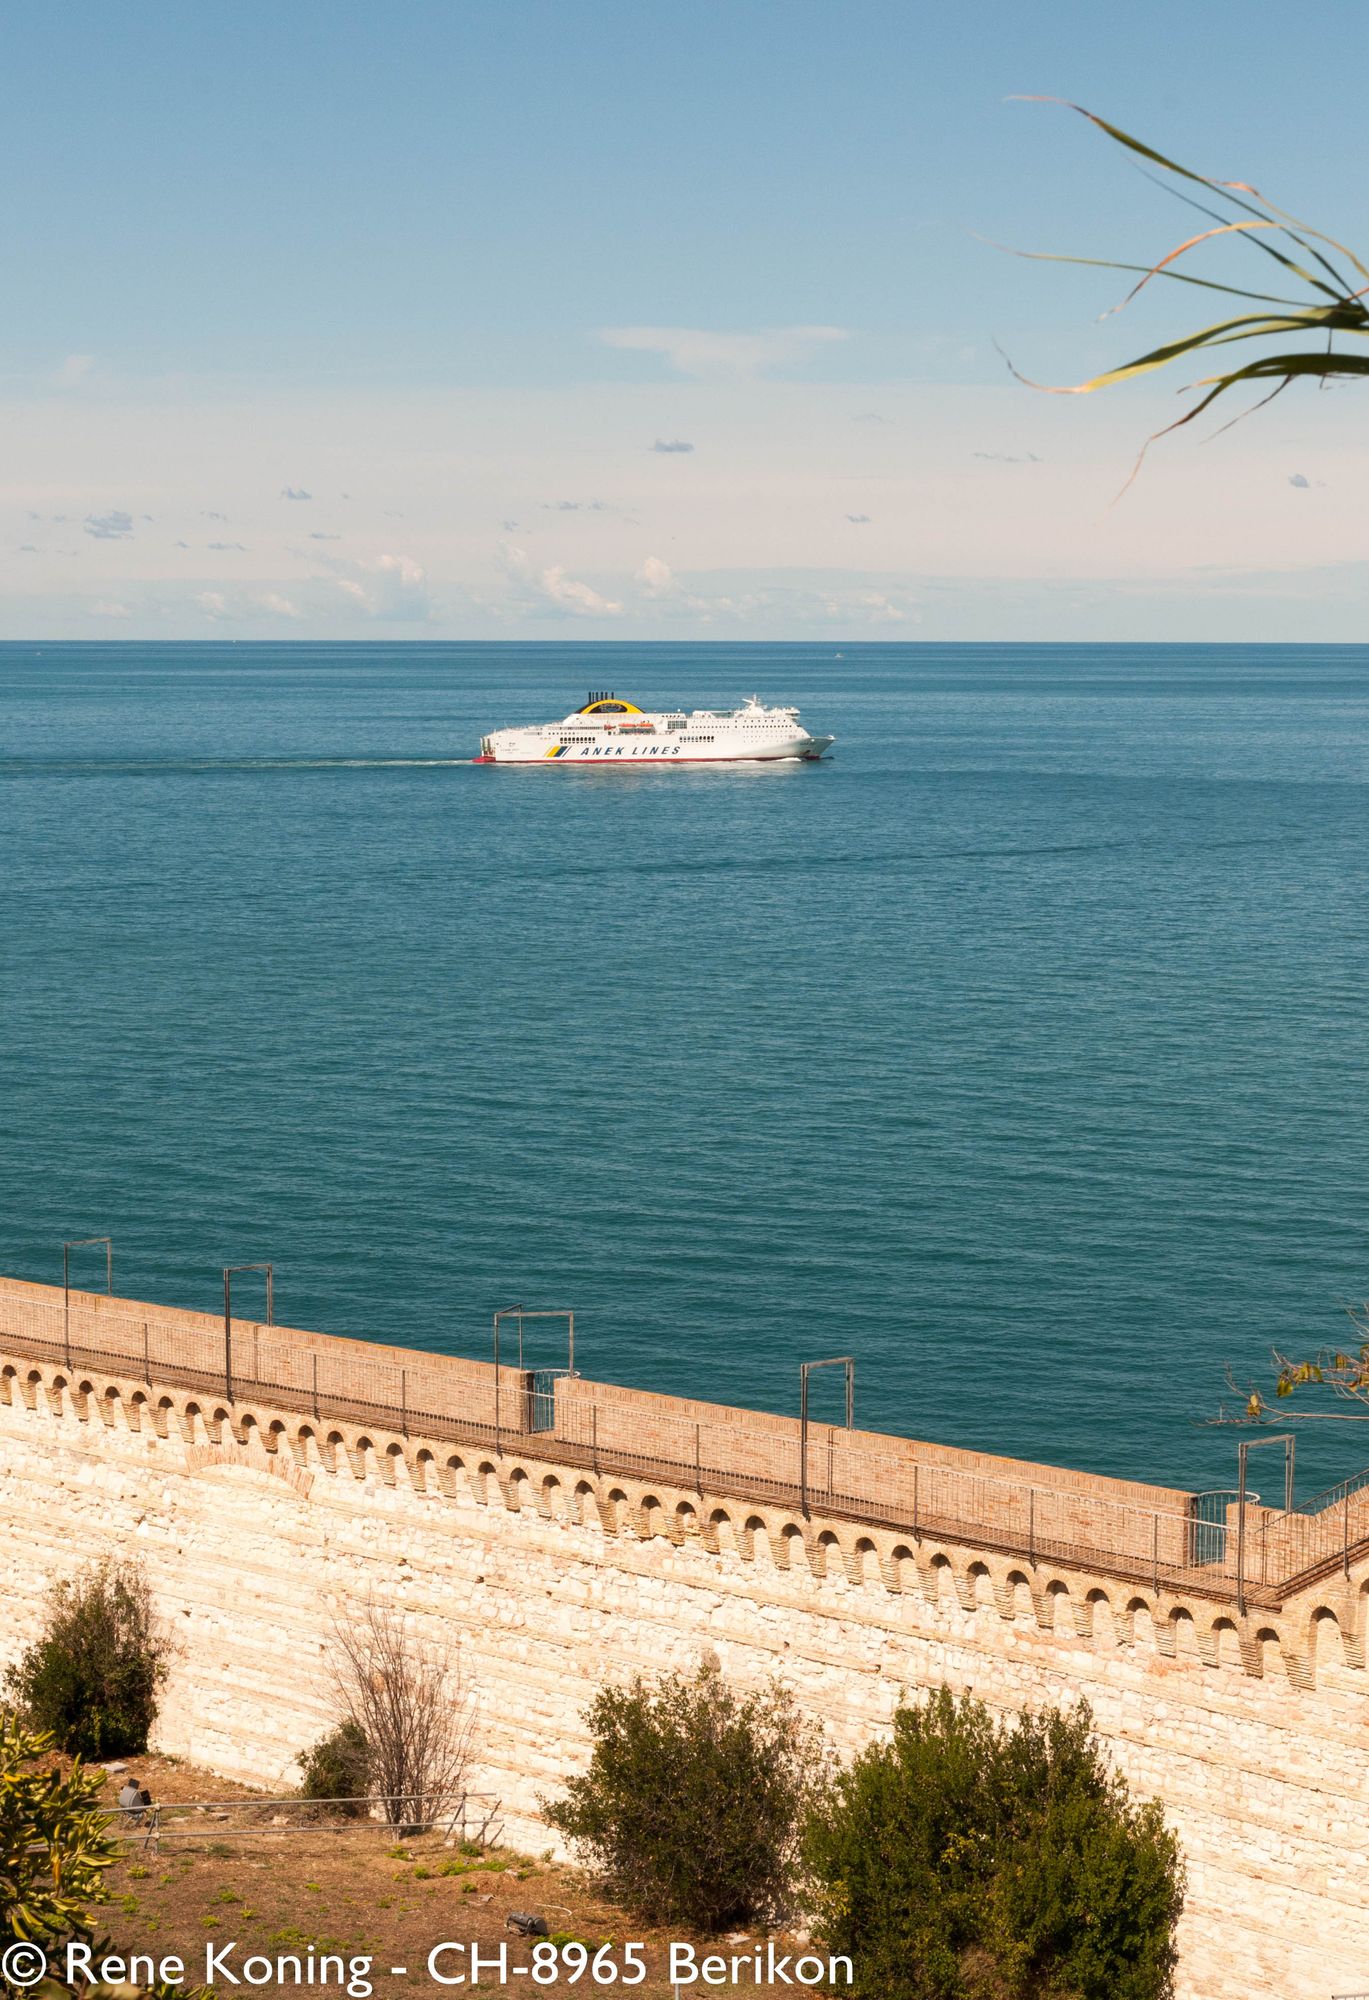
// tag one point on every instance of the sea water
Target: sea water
(1018, 1049)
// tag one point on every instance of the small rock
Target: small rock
(114, 1767)
(738, 1937)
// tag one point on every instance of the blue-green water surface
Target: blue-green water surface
(1019, 1049)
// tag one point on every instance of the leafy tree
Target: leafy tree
(1295, 338)
(92, 1678)
(972, 1860)
(693, 1802)
(338, 1768)
(55, 1844)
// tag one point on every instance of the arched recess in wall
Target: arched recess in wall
(1226, 1643)
(831, 1566)
(1141, 1621)
(1102, 1619)
(865, 1565)
(903, 1570)
(1324, 1640)
(981, 1590)
(722, 1533)
(1269, 1653)
(1185, 1633)
(941, 1581)
(795, 1550)
(758, 1542)
(1059, 1608)
(1017, 1593)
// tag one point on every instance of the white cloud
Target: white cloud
(104, 607)
(710, 355)
(73, 370)
(392, 588)
(294, 493)
(540, 590)
(213, 603)
(657, 578)
(578, 597)
(272, 600)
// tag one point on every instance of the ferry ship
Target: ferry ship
(610, 730)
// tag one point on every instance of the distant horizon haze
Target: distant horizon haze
(475, 322)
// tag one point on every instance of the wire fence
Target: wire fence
(464, 1816)
(856, 1476)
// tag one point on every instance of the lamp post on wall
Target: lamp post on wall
(1243, 1451)
(229, 1273)
(807, 1368)
(505, 1312)
(82, 1243)
(520, 1313)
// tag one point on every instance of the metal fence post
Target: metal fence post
(229, 1270)
(82, 1243)
(315, 1360)
(1240, 1536)
(844, 1361)
(1031, 1525)
(227, 1338)
(1155, 1553)
(698, 1465)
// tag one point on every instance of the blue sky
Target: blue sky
(337, 320)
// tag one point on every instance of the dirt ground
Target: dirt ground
(268, 1884)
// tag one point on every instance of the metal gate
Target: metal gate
(542, 1397)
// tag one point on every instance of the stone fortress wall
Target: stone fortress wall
(565, 1556)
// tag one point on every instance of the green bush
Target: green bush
(972, 1860)
(91, 1680)
(693, 1803)
(338, 1768)
(55, 1844)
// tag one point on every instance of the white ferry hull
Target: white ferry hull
(610, 732)
(807, 752)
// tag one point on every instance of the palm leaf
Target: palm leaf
(1335, 305)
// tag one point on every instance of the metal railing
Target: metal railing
(456, 1816)
(1190, 1547)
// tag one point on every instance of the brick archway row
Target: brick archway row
(1079, 1608)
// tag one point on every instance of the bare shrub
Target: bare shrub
(408, 1700)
